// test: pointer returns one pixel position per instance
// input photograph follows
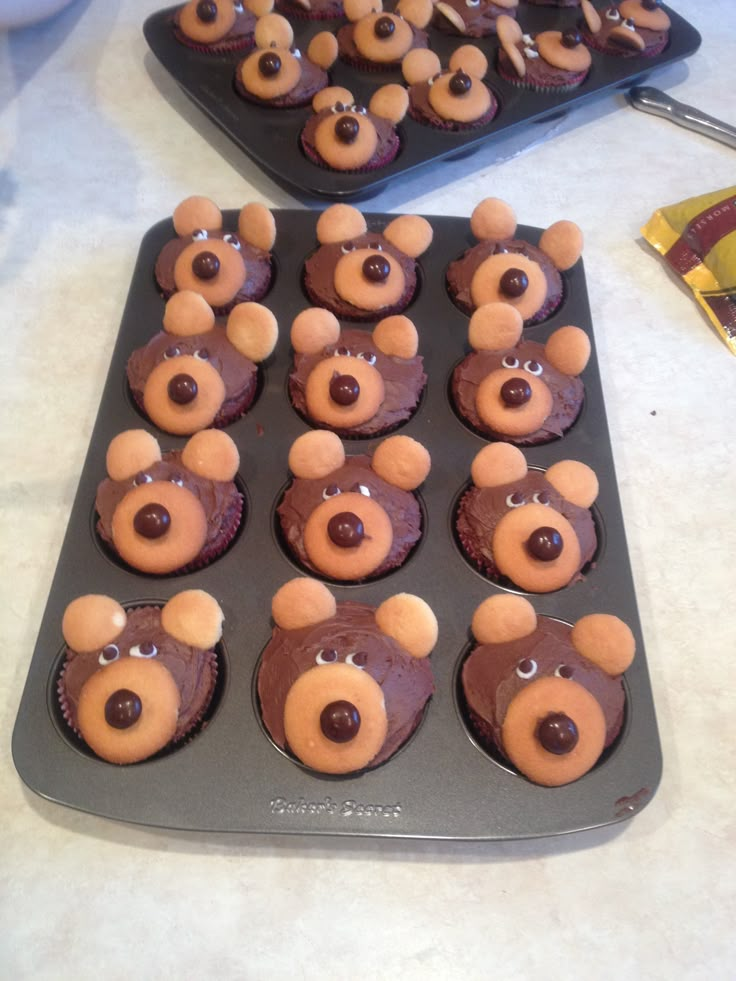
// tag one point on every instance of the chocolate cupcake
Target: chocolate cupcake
(377, 40)
(357, 384)
(169, 513)
(218, 26)
(526, 528)
(519, 391)
(342, 686)
(279, 76)
(358, 274)
(550, 61)
(632, 27)
(352, 518)
(543, 695)
(225, 267)
(456, 99)
(196, 373)
(510, 270)
(137, 681)
(346, 136)
(471, 18)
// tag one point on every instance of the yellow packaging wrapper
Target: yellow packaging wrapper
(697, 238)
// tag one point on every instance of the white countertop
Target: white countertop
(98, 144)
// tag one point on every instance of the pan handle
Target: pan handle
(652, 100)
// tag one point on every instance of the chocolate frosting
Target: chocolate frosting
(258, 270)
(481, 508)
(318, 9)
(238, 373)
(479, 21)
(350, 54)
(403, 380)
(538, 71)
(193, 670)
(220, 499)
(386, 148)
(304, 495)
(567, 391)
(319, 275)
(460, 273)
(421, 110)
(654, 41)
(490, 682)
(407, 682)
(313, 79)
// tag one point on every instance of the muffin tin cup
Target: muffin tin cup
(230, 778)
(271, 136)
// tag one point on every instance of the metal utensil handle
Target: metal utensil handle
(652, 100)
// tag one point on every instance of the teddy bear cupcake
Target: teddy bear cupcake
(140, 680)
(377, 40)
(195, 373)
(528, 528)
(346, 136)
(352, 518)
(455, 99)
(342, 686)
(471, 18)
(519, 391)
(218, 26)
(632, 27)
(503, 268)
(172, 512)
(225, 267)
(361, 274)
(544, 695)
(279, 76)
(356, 383)
(549, 61)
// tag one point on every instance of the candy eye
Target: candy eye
(202, 354)
(347, 247)
(146, 649)
(332, 490)
(526, 668)
(232, 240)
(108, 654)
(342, 352)
(509, 361)
(326, 656)
(297, 53)
(238, 7)
(175, 478)
(361, 489)
(629, 25)
(533, 367)
(172, 352)
(142, 478)
(358, 659)
(472, 3)
(367, 356)
(563, 671)
(377, 246)
(541, 497)
(612, 14)
(515, 500)
(199, 234)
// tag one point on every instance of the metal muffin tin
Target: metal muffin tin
(271, 136)
(230, 776)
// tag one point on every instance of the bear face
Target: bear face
(376, 39)
(520, 391)
(134, 681)
(358, 274)
(173, 512)
(532, 528)
(225, 267)
(510, 270)
(545, 695)
(454, 99)
(632, 27)
(218, 26)
(343, 685)
(471, 18)
(278, 75)
(357, 384)
(197, 373)
(352, 518)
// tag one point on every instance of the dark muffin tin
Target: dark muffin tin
(271, 136)
(230, 777)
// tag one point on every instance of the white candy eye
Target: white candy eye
(515, 500)
(629, 25)
(367, 356)
(342, 352)
(509, 361)
(232, 240)
(358, 659)
(146, 649)
(612, 14)
(326, 656)
(526, 668)
(108, 654)
(176, 479)
(361, 489)
(332, 490)
(377, 246)
(533, 367)
(172, 352)
(199, 234)
(142, 478)
(472, 3)
(202, 354)
(563, 671)
(347, 247)
(238, 7)
(541, 497)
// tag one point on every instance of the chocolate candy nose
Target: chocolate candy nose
(557, 733)
(571, 39)
(344, 389)
(347, 129)
(122, 709)
(269, 64)
(376, 269)
(460, 83)
(384, 27)
(516, 391)
(340, 721)
(182, 389)
(545, 544)
(345, 529)
(152, 520)
(514, 282)
(207, 11)
(205, 265)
